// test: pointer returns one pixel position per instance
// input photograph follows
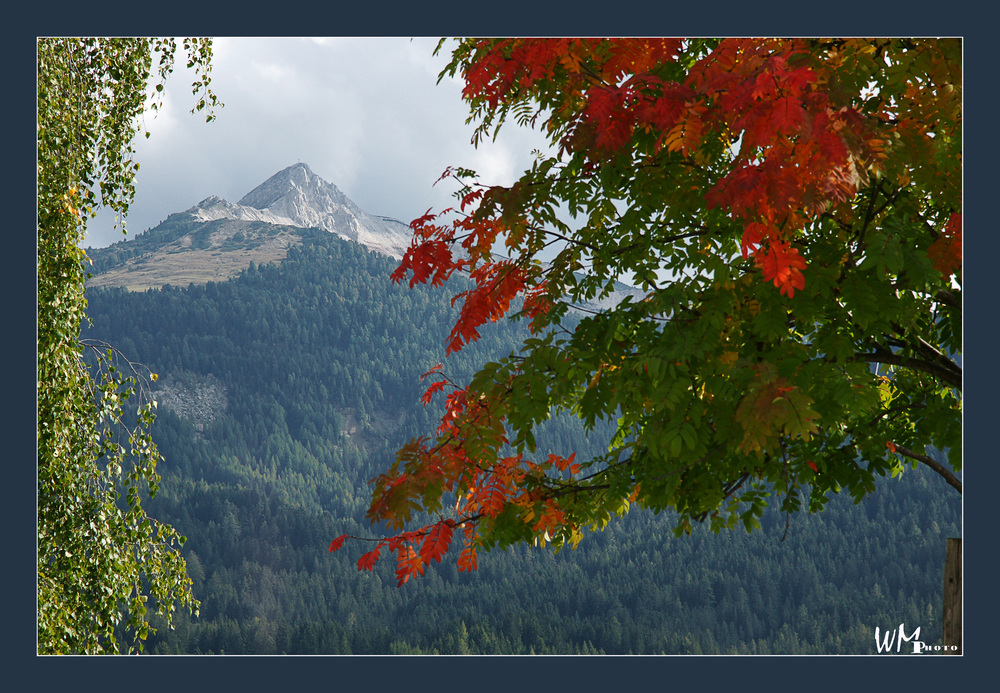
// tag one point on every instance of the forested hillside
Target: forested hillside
(283, 391)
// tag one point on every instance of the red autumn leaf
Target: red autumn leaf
(429, 260)
(946, 251)
(607, 111)
(429, 393)
(497, 284)
(739, 191)
(470, 197)
(337, 543)
(368, 560)
(437, 541)
(420, 222)
(536, 304)
(753, 234)
(436, 369)
(561, 463)
(783, 265)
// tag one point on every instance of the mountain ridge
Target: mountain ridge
(216, 239)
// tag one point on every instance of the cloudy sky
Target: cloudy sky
(365, 114)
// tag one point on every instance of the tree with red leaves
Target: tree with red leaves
(790, 212)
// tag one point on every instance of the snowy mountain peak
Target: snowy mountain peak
(295, 196)
(295, 184)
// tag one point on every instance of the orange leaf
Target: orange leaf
(467, 560)
(493, 496)
(437, 541)
(783, 264)
(410, 563)
(551, 517)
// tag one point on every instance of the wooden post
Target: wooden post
(951, 625)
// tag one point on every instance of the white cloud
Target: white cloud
(366, 114)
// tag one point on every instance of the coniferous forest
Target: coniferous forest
(283, 391)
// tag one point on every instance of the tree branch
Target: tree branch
(933, 464)
(952, 377)
(948, 298)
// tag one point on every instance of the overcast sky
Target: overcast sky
(365, 114)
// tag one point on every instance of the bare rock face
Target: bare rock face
(199, 401)
(298, 197)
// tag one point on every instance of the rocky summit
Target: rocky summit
(296, 196)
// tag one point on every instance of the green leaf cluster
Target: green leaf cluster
(719, 384)
(103, 564)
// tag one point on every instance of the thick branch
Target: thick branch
(952, 377)
(929, 352)
(948, 298)
(933, 464)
